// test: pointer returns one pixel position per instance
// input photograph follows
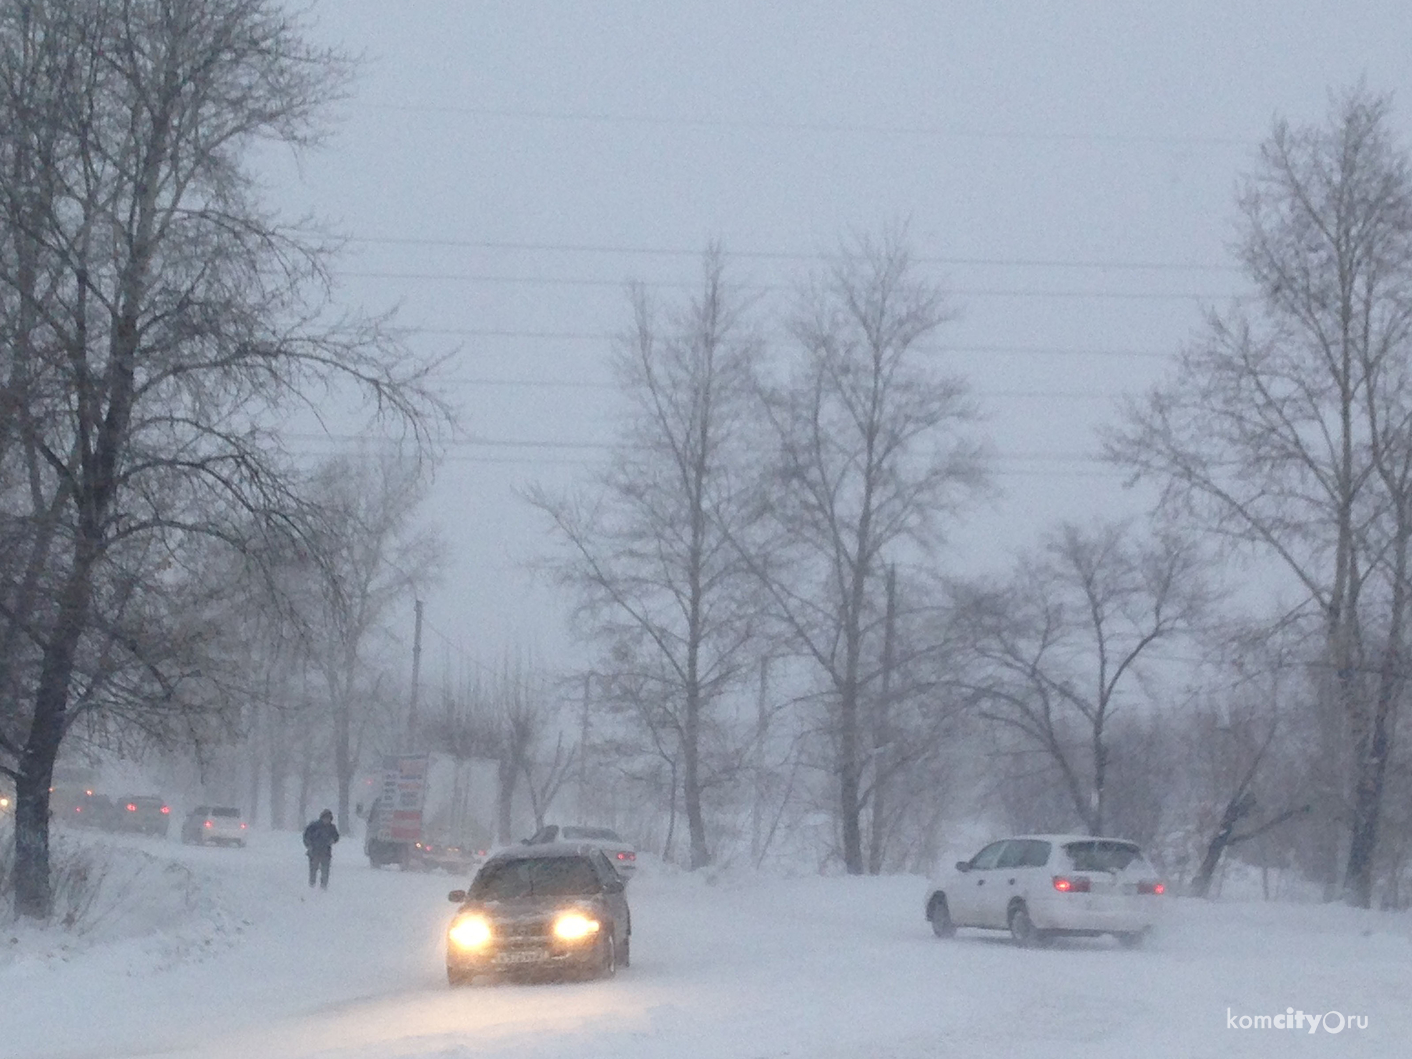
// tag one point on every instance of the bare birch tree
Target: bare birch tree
(1061, 647)
(870, 461)
(1285, 427)
(651, 556)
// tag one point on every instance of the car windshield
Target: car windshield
(225, 812)
(1101, 856)
(535, 877)
(600, 834)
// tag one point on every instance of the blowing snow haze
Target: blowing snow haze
(816, 443)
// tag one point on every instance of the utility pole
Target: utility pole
(757, 802)
(416, 680)
(583, 754)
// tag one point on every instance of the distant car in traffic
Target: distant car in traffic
(1043, 886)
(214, 825)
(81, 807)
(453, 858)
(144, 814)
(620, 853)
(550, 909)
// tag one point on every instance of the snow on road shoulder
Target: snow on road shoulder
(724, 965)
(195, 942)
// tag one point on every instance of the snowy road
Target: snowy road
(746, 967)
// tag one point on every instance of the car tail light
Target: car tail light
(243, 825)
(208, 823)
(131, 808)
(1079, 884)
(1151, 888)
(624, 855)
(166, 808)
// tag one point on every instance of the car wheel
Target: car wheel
(626, 959)
(455, 976)
(939, 912)
(1023, 930)
(1132, 939)
(608, 966)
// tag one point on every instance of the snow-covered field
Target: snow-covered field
(198, 952)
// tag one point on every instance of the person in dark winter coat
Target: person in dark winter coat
(319, 838)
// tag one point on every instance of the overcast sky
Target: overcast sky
(1067, 170)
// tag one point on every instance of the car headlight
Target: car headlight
(470, 932)
(572, 926)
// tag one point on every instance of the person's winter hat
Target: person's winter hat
(327, 814)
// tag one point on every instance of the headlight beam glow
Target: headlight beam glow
(470, 932)
(572, 926)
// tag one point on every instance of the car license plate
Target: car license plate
(523, 956)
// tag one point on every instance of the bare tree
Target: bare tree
(1285, 428)
(1060, 645)
(651, 558)
(154, 316)
(507, 718)
(870, 460)
(367, 556)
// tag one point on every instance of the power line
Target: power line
(462, 458)
(611, 336)
(962, 292)
(609, 446)
(870, 128)
(581, 384)
(792, 255)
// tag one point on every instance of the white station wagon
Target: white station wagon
(1041, 886)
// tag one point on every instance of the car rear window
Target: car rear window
(1024, 853)
(599, 834)
(1102, 856)
(225, 812)
(535, 877)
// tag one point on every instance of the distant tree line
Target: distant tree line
(784, 647)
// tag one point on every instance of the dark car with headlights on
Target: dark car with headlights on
(545, 910)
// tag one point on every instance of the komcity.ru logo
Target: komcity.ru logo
(1289, 1019)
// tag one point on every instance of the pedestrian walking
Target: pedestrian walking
(319, 838)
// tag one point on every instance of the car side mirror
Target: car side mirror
(963, 865)
(456, 896)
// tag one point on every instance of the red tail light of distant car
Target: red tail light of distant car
(1078, 884)
(1151, 888)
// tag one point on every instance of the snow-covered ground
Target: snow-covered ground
(214, 953)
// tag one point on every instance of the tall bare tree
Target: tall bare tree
(367, 556)
(1061, 647)
(1286, 429)
(871, 458)
(154, 318)
(651, 556)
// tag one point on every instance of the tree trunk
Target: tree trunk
(505, 772)
(33, 895)
(877, 833)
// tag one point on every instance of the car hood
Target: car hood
(533, 907)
